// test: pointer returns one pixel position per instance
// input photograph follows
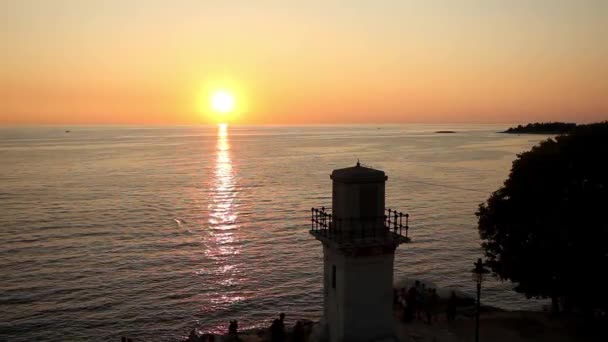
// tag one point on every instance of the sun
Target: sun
(222, 101)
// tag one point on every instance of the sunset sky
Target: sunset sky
(303, 62)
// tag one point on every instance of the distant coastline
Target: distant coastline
(542, 128)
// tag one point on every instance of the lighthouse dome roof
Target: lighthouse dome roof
(358, 174)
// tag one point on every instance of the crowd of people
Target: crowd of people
(418, 302)
(423, 303)
(276, 332)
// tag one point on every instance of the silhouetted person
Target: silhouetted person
(233, 328)
(432, 304)
(451, 307)
(420, 300)
(411, 300)
(298, 332)
(277, 329)
(193, 336)
(408, 313)
(403, 296)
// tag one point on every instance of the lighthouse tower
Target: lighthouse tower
(359, 238)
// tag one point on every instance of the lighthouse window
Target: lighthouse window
(333, 276)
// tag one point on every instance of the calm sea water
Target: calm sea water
(149, 232)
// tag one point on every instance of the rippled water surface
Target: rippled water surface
(148, 232)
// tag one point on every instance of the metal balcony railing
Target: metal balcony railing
(392, 225)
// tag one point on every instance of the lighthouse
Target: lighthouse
(359, 237)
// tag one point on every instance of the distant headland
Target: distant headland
(542, 128)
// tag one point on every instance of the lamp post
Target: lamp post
(478, 273)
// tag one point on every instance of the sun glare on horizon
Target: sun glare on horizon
(222, 101)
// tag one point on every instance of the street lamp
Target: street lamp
(478, 272)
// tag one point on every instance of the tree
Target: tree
(543, 128)
(546, 228)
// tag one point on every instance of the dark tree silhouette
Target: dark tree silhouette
(543, 128)
(546, 228)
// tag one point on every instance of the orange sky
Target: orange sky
(303, 62)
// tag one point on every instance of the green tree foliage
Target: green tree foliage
(546, 228)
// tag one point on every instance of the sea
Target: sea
(149, 232)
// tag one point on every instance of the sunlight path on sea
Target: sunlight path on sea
(221, 241)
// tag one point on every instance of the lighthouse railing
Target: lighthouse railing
(343, 229)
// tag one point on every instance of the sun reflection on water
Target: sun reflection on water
(222, 226)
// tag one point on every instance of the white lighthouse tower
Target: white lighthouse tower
(359, 239)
